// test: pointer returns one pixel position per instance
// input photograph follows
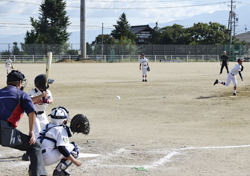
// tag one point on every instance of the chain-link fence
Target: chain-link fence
(113, 58)
(197, 52)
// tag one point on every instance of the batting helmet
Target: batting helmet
(40, 81)
(59, 115)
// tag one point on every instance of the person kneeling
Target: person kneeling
(54, 138)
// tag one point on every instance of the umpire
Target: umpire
(224, 62)
(13, 103)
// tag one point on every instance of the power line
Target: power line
(129, 8)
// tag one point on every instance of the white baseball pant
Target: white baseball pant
(41, 121)
(53, 156)
(231, 77)
(144, 70)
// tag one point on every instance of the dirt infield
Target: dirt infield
(178, 123)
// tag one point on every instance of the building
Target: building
(143, 34)
(244, 36)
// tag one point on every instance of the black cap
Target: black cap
(15, 75)
(240, 59)
(142, 54)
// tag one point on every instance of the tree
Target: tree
(107, 39)
(155, 34)
(122, 29)
(208, 34)
(6, 52)
(88, 49)
(51, 26)
(175, 34)
(15, 49)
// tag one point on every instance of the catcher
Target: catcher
(54, 138)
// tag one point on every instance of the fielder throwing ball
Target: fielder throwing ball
(238, 68)
(143, 66)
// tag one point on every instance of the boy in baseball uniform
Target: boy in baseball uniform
(41, 98)
(56, 147)
(143, 66)
(232, 75)
(8, 65)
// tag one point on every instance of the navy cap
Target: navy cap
(15, 75)
(142, 54)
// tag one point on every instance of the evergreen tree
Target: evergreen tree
(15, 49)
(50, 28)
(122, 29)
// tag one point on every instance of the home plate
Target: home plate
(88, 155)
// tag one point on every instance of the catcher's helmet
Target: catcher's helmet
(16, 75)
(59, 115)
(40, 81)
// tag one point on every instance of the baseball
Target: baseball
(118, 97)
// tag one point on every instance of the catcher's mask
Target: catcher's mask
(40, 82)
(59, 115)
(16, 75)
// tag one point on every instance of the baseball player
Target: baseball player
(41, 97)
(143, 66)
(224, 62)
(56, 147)
(232, 75)
(8, 65)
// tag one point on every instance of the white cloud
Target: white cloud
(21, 12)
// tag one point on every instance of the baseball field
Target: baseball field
(177, 124)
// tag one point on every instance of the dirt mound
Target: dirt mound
(65, 61)
(86, 61)
(74, 61)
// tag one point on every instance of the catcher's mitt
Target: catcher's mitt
(148, 69)
(80, 124)
(242, 68)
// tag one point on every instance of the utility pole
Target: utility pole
(83, 29)
(232, 21)
(102, 40)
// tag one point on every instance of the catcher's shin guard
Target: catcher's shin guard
(65, 163)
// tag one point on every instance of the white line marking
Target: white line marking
(87, 155)
(162, 160)
(214, 147)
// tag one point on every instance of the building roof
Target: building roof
(244, 36)
(136, 29)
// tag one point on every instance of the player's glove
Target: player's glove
(242, 68)
(80, 124)
(148, 69)
(12, 67)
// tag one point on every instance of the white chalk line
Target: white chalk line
(214, 147)
(88, 155)
(163, 160)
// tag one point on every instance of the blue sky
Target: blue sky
(15, 14)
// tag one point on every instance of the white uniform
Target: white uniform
(232, 75)
(51, 154)
(144, 65)
(8, 64)
(41, 119)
